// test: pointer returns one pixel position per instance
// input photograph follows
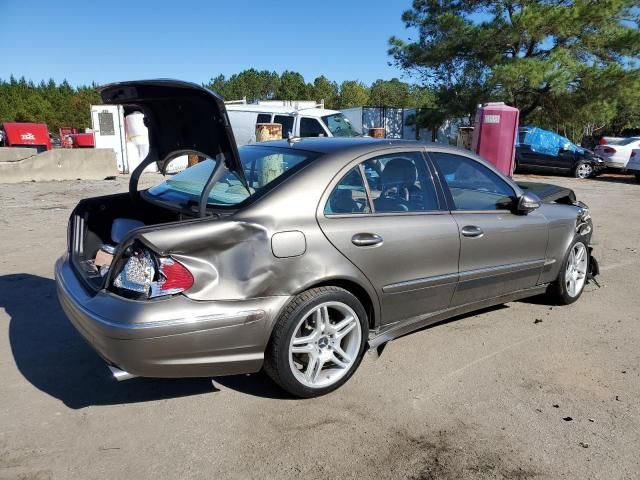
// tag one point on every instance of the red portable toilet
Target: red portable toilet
(495, 134)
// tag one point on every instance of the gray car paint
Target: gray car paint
(249, 261)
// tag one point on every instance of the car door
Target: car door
(384, 215)
(543, 160)
(500, 251)
(528, 158)
(566, 159)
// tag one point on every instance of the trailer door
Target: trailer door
(109, 132)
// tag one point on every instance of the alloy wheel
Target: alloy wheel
(576, 270)
(584, 170)
(325, 344)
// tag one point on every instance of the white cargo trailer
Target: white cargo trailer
(107, 122)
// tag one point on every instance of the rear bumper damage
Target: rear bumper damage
(170, 337)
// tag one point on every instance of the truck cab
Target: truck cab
(298, 119)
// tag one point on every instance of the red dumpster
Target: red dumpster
(70, 138)
(34, 135)
(495, 133)
(82, 140)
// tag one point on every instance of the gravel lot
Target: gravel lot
(520, 391)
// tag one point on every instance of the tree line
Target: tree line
(57, 105)
(265, 85)
(61, 105)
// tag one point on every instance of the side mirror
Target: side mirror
(528, 203)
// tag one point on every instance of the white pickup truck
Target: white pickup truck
(298, 119)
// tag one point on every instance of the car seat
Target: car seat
(398, 185)
(342, 201)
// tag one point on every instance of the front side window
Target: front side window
(396, 183)
(400, 182)
(310, 127)
(287, 124)
(349, 196)
(263, 168)
(472, 185)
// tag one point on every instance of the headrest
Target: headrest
(399, 172)
(342, 201)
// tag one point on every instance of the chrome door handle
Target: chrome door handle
(472, 231)
(366, 239)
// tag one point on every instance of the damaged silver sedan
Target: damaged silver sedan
(297, 256)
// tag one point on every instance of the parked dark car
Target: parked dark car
(542, 150)
(299, 255)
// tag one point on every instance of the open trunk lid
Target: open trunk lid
(181, 116)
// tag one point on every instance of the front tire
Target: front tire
(583, 170)
(318, 342)
(573, 275)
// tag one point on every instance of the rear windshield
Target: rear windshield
(626, 141)
(264, 167)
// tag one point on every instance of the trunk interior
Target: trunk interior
(91, 238)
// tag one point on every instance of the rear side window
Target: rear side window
(349, 196)
(264, 118)
(287, 124)
(472, 185)
(310, 127)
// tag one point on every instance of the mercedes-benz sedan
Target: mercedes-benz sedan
(297, 256)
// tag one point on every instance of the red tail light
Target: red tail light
(609, 150)
(174, 278)
(143, 275)
(602, 141)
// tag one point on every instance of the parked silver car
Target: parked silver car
(298, 255)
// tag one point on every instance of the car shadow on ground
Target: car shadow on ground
(54, 358)
(255, 384)
(616, 178)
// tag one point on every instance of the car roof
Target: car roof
(327, 145)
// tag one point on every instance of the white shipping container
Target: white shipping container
(107, 123)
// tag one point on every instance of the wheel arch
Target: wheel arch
(370, 304)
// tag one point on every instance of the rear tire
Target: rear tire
(572, 277)
(317, 342)
(638, 177)
(583, 170)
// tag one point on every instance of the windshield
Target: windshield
(263, 168)
(340, 126)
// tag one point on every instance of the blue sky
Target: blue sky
(85, 41)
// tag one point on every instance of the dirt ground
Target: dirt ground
(521, 391)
